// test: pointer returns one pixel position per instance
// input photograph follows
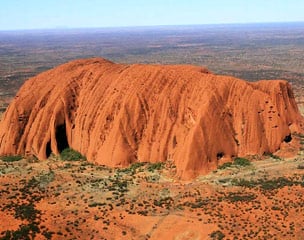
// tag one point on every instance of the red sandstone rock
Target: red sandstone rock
(116, 114)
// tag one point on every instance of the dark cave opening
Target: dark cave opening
(48, 149)
(288, 138)
(219, 155)
(61, 138)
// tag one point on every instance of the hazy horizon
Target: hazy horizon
(68, 14)
(254, 24)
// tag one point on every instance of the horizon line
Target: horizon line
(147, 26)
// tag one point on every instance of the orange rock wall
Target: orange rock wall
(116, 114)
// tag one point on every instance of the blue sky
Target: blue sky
(37, 14)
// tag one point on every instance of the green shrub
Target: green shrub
(300, 166)
(163, 201)
(47, 235)
(276, 183)
(236, 197)
(71, 155)
(24, 232)
(153, 178)
(26, 211)
(217, 235)
(137, 165)
(241, 162)
(225, 165)
(96, 204)
(273, 156)
(132, 168)
(275, 208)
(11, 158)
(244, 183)
(266, 185)
(155, 166)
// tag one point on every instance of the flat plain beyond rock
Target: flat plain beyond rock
(117, 114)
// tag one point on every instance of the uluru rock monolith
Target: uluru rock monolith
(117, 114)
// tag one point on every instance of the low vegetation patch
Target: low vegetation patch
(132, 168)
(26, 211)
(155, 166)
(217, 235)
(28, 231)
(273, 156)
(266, 184)
(244, 183)
(300, 166)
(225, 165)
(11, 158)
(240, 197)
(241, 162)
(166, 201)
(237, 162)
(70, 154)
(276, 183)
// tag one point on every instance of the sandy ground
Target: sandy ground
(57, 199)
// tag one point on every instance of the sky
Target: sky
(46, 14)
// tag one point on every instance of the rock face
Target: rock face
(117, 114)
